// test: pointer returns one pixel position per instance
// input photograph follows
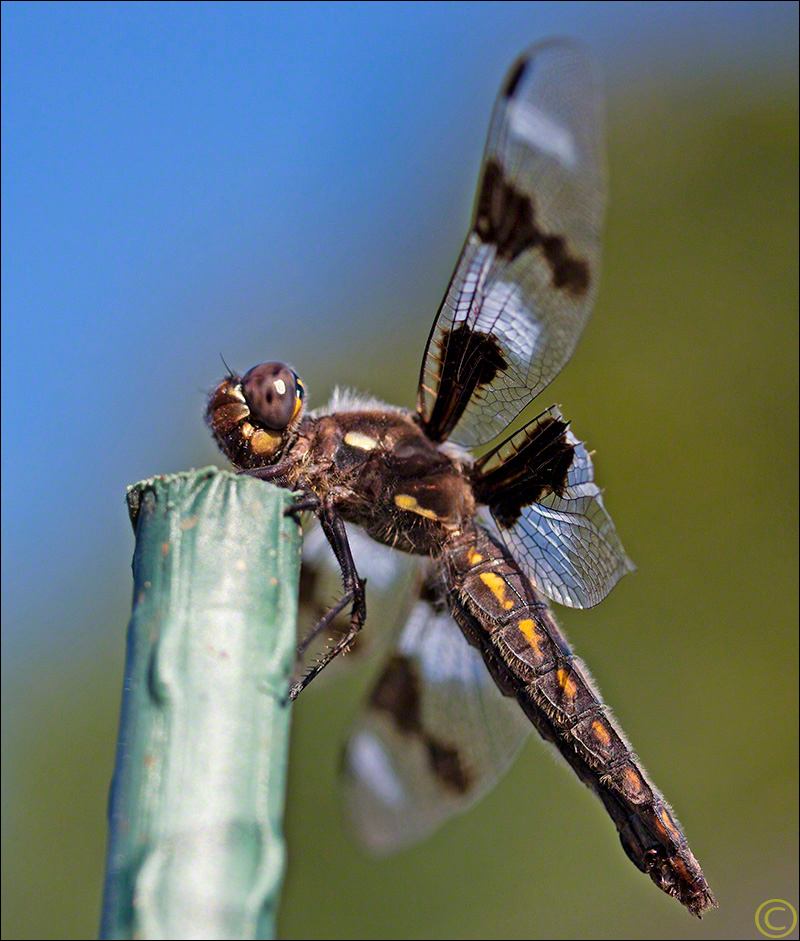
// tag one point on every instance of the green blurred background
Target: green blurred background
(685, 383)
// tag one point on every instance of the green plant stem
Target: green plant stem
(195, 845)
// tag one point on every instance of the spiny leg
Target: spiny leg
(336, 534)
(276, 473)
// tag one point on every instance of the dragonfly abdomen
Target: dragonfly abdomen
(505, 617)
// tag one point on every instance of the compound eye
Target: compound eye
(274, 394)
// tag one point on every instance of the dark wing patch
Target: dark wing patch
(435, 734)
(504, 215)
(570, 274)
(506, 218)
(469, 360)
(397, 694)
(447, 765)
(557, 528)
(527, 275)
(513, 77)
(524, 468)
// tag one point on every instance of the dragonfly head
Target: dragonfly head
(252, 418)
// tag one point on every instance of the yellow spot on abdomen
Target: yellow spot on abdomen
(601, 732)
(529, 632)
(363, 442)
(668, 823)
(566, 683)
(497, 586)
(474, 557)
(633, 781)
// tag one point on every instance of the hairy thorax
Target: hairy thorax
(384, 474)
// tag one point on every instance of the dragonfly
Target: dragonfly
(502, 514)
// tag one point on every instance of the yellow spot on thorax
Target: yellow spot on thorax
(406, 502)
(566, 683)
(497, 586)
(363, 442)
(474, 557)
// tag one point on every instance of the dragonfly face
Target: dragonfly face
(447, 716)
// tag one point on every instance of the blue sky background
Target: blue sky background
(294, 181)
(184, 180)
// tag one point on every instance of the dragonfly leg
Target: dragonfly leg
(354, 596)
(307, 502)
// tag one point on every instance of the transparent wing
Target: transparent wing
(434, 735)
(566, 542)
(527, 277)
